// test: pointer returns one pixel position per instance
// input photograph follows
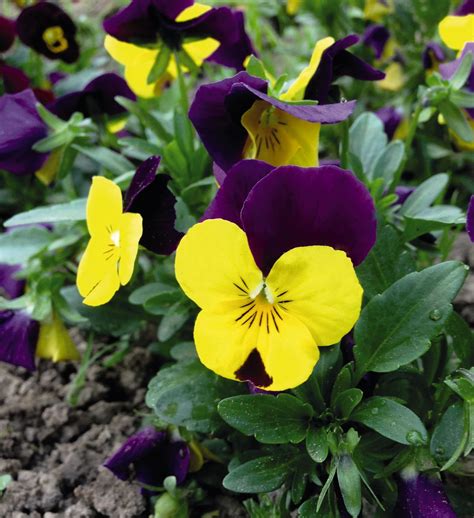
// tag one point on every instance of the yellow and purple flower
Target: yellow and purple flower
(146, 29)
(48, 30)
(272, 264)
(21, 128)
(392, 119)
(458, 29)
(432, 56)
(153, 457)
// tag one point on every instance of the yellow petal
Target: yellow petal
(254, 349)
(394, 78)
(196, 460)
(292, 6)
(54, 342)
(191, 12)
(130, 234)
(297, 89)
(214, 264)
(278, 138)
(48, 172)
(127, 53)
(116, 125)
(456, 31)
(201, 49)
(97, 274)
(320, 288)
(104, 207)
(461, 144)
(375, 10)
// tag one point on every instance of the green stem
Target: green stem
(182, 85)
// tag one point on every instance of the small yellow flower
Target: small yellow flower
(109, 258)
(394, 78)
(293, 6)
(375, 10)
(456, 31)
(54, 342)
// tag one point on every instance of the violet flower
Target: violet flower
(7, 33)
(21, 128)
(376, 37)
(391, 118)
(432, 56)
(470, 219)
(153, 457)
(48, 30)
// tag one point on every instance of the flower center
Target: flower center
(55, 40)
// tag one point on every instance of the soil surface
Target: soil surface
(55, 452)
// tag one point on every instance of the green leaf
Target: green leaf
(186, 394)
(462, 383)
(387, 262)
(449, 436)
(424, 195)
(263, 474)
(160, 304)
(367, 141)
(184, 133)
(256, 68)
(463, 99)
(430, 13)
(432, 218)
(388, 162)
(462, 73)
(461, 337)
(114, 162)
(271, 419)
(456, 120)
(317, 444)
(53, 121)
(391, 419)
(346, 402)
(397, 326)
(71, 211)
(53, 141)
(148, 291)
(174, 319)
(19, 245)
(160, 65)
(349, 483)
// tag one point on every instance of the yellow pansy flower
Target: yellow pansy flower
(110, 255)
(264, 329)
(375, 10)
(54, 341)
(456, 31)
(293, 6)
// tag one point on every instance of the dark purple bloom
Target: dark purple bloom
(145, 22)
(10, 286)
(14, 80)
(46, 28)
(403, 192)
(447, 70)
(337, 62)
(18, 338)
(376, 37)
(97, 98)
(149, 196)
(292, 206)
(467, 7)
(7, 33)
(253, 389)
(21, 128)
(217, 110)
(470, 219)
(432, 55)
(422, 497)
(391, 118)
(55, 77)
(153, 457)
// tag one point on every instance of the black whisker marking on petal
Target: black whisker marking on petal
(266, 142)
(259, 147)
(274, 133)
(268, 325)
(248, 304)
(282, 123)
(244, 283)
(278, 314)
(244, 313)
(93, 288)
(247, 319)
(260, 321)
(282, 293)
(253, 319)
(275, 322)
(240, 288)
(284, 301)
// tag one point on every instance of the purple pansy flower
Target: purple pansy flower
(432, 55)
(21, 128)
(217, 110)
(18, 332)
(287, 207)
(145, 22)
(421, 497)
(337, 62)
(7, 33)
(153, 456)
(391, 118)
(447, 70)
(403, 192)
(15, 81)
(149, 196)
(470, 219)
(97, 98)
(376, 37)
(46, 28)
(467, 7)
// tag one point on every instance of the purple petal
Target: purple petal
(216, 113)
(25, 128)
(293, 206)
(253, 389)
(423, 497)
(35, 20)
(447, 70)
(18, 339)
(136, 448)
(337, 62)
(97, 98)
(14, 79)
(376, 37)
(391, 118)
(403, 192)
(10, 286)
(239, 181)
(7, 33)
(467, 7)
(149, 196)
(219, 173)
(470, 219)
(432, 54)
